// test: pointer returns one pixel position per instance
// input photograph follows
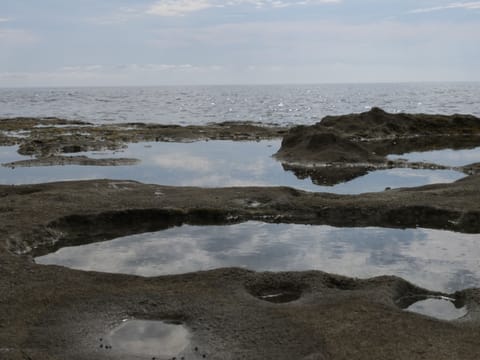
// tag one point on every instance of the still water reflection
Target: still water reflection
(152, 339)
(447, 157)
(434, 259)
(438, 307)
(212, 164)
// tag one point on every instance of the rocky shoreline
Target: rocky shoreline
(48, 140)
(51, 312)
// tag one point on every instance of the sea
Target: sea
(269, 104)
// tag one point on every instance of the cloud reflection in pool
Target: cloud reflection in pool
(438, 260)
(447, 157)
(212, 164)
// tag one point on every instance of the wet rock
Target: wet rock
(341, 147)
(72, 160)
(52, 137)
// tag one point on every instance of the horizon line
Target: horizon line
(246, 84)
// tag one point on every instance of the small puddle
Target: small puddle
(282, 297)
(148, 339)
(276, 292)
(439, 307)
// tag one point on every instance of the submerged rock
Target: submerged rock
(72, 160)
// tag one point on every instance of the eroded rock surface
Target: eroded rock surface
(56, 313)
(51, 312)
(51, 136)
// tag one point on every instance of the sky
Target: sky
(168, 42)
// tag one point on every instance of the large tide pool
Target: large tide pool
(437, 260)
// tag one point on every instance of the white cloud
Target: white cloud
(457, 5)
(184, 7)
(86, 68)
(429, 258)
(4, 20)
(219, 180)
(172, 8)
(178, 7)
(183, 161)
(280, 3)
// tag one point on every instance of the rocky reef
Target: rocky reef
(52, 312)
(340, 148)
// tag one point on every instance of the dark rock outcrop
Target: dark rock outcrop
(338, 144)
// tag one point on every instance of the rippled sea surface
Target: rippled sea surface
(286, 104)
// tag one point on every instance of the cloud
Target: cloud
(280, 3)
(4, 20)
(122, 15)
(184, 7)
(221, 181)
(279, 52)
(16, 36)
(444, 157)
(114, 75)
(86, 68)
(439, 260)
(294, 42)
(457, 5)
(183, 161)
(179, 7)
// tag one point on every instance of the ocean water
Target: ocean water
(286, 104)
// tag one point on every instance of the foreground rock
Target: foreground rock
(340, 148)
(50, 312)
(55, 313)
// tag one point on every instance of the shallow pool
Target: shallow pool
(211, 164)
(439, 307)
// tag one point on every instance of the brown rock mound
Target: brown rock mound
(355, 138)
